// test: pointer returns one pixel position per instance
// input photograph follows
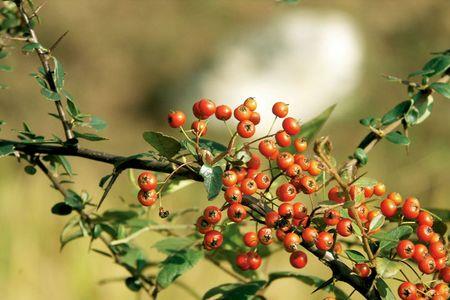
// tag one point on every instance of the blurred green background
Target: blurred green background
(129, 62)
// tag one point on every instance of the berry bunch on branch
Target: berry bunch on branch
(279, 190)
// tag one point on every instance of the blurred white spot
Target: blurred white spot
(307, 59)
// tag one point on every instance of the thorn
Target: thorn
(108, 187)
(35, 12)
(58, 41)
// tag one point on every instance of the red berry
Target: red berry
(262, 181)
(280, 109)
(298, 259)
(265, 236)
(254, 260)
(300, 210)
(283, 139)
(362, 269)
(223, 112)
(293, 170)
(272, 218)
(255, 118)
(147, 198)
(445, 274)
(242, 113)
(250, 103)
(267, 148)
(246, 129)
(212, 240)
(324, 241)
(242, 262)
(285, 160)
(251, 239)
(315, 168)
(203, 226)
(379, 189)
(206, 108)
(437, 250)
(344, 227)
(411, 208)
(286, 210)
(405, 249)
(254, 163)
(425, 218)
(212, 214)
(300, 144)
(291, 242)
(291, 126)
(176, 119)
(248, 186)
(407, 291)
(420, 252)
(424, 233)
(388, 208)
(427, 265)
(308, 185)
(286, 192)
(335, 195)
(236, 212)
(331, 217)
(199, 127)
(229, 178)
(147, 181)
(302, 161)
(309, 235)
(233, 195)
(396, 197)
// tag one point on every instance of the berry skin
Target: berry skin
(425, 218)
(272, 218)
(368, 191)
(308, 185)
(424, 233)
(445, 274)
(251, 173)
(440, 263)
(396, 197)
(427, 265)
(223, 112)
(293, 170)
(442, 289)
(274, 155)
(335, 195)
(291, 126)
(388, 208)
(147, 198)
(147, 181)
(255, 118)
(286, 192)
(280, 234)
(344, 227)
(176, 119)
(300, 144)
(265, 236)
(246, 129)
(229, 178)
(250, 103)
(206, 108)
(407, 291)
(411, 208)
(212, 214)
(315, 168)
(254, 163)
(291, 242)
(355, 191)
(300, 210)
(203, 226)
(280, 109)
(251, 239)
(212, 240)
(254, 260)
(233, 195)
(331, 217)
(437, 250)
(242, 113)
(236, 212)
(302, 161)
(310, 235)
(242, 262)
(283, 139)
(298, 259)
(241, 174)
(324, 241)
(337, 248)
(379, 189)
(362, 269)
(248, 186)
(262, 181)
(420, 252)
(286, 210)
(267, 148)
(405, 249)
(285, 160)
(199, 127)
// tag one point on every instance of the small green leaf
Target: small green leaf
(441, 88)
(166, 146)
(398, 138)
(133, 284)
(365, 182)
(396, 113)
(30, 47)
(65, 163)
(361, 156)
(212, 180)
(437, 65)
(384, 290)
(59, 74)
(97, 123)
(387, 268)
(176, 265)
(235, 291)
(6, 68)
(367, 121)
(176, 185)
(212, 146)
(103, 180)
(173, 244)
(61, 209)
(377, 222)
(50, 95)
(3, 54)
(30, 170)
(74, 200)
(390, 239)
(89, 136)
(355, 256)
(6, 149)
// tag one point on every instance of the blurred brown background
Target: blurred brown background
(129, 62)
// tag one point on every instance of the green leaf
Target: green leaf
(441, 88)
(133, 284)
(3, 54)
(398, 138)
(6, 68)
(50, 95)
(390, 239)
(173, 244)
(387, 268)
(437, 65)
(384, 290)
(365, 182)
(420, 73)
(309, 280)
(65, 163)
(440, 213)
(166, 146)
(189, 146)
(70, 232)
(61, 209)
(6, 149)
(103, 180)
(312, 127)
(30, 170)
(89, 136)
(376, 222)
(356, 256)
(212, 146)
(369, 121)
(59, 74)
(177, 264)
(235, 291)
(176, 185)
(361, 156)
(74, 200)
(30, 47)
(396, 113)
(212, 180)
(97, 123)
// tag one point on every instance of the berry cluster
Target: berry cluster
(269, 168)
